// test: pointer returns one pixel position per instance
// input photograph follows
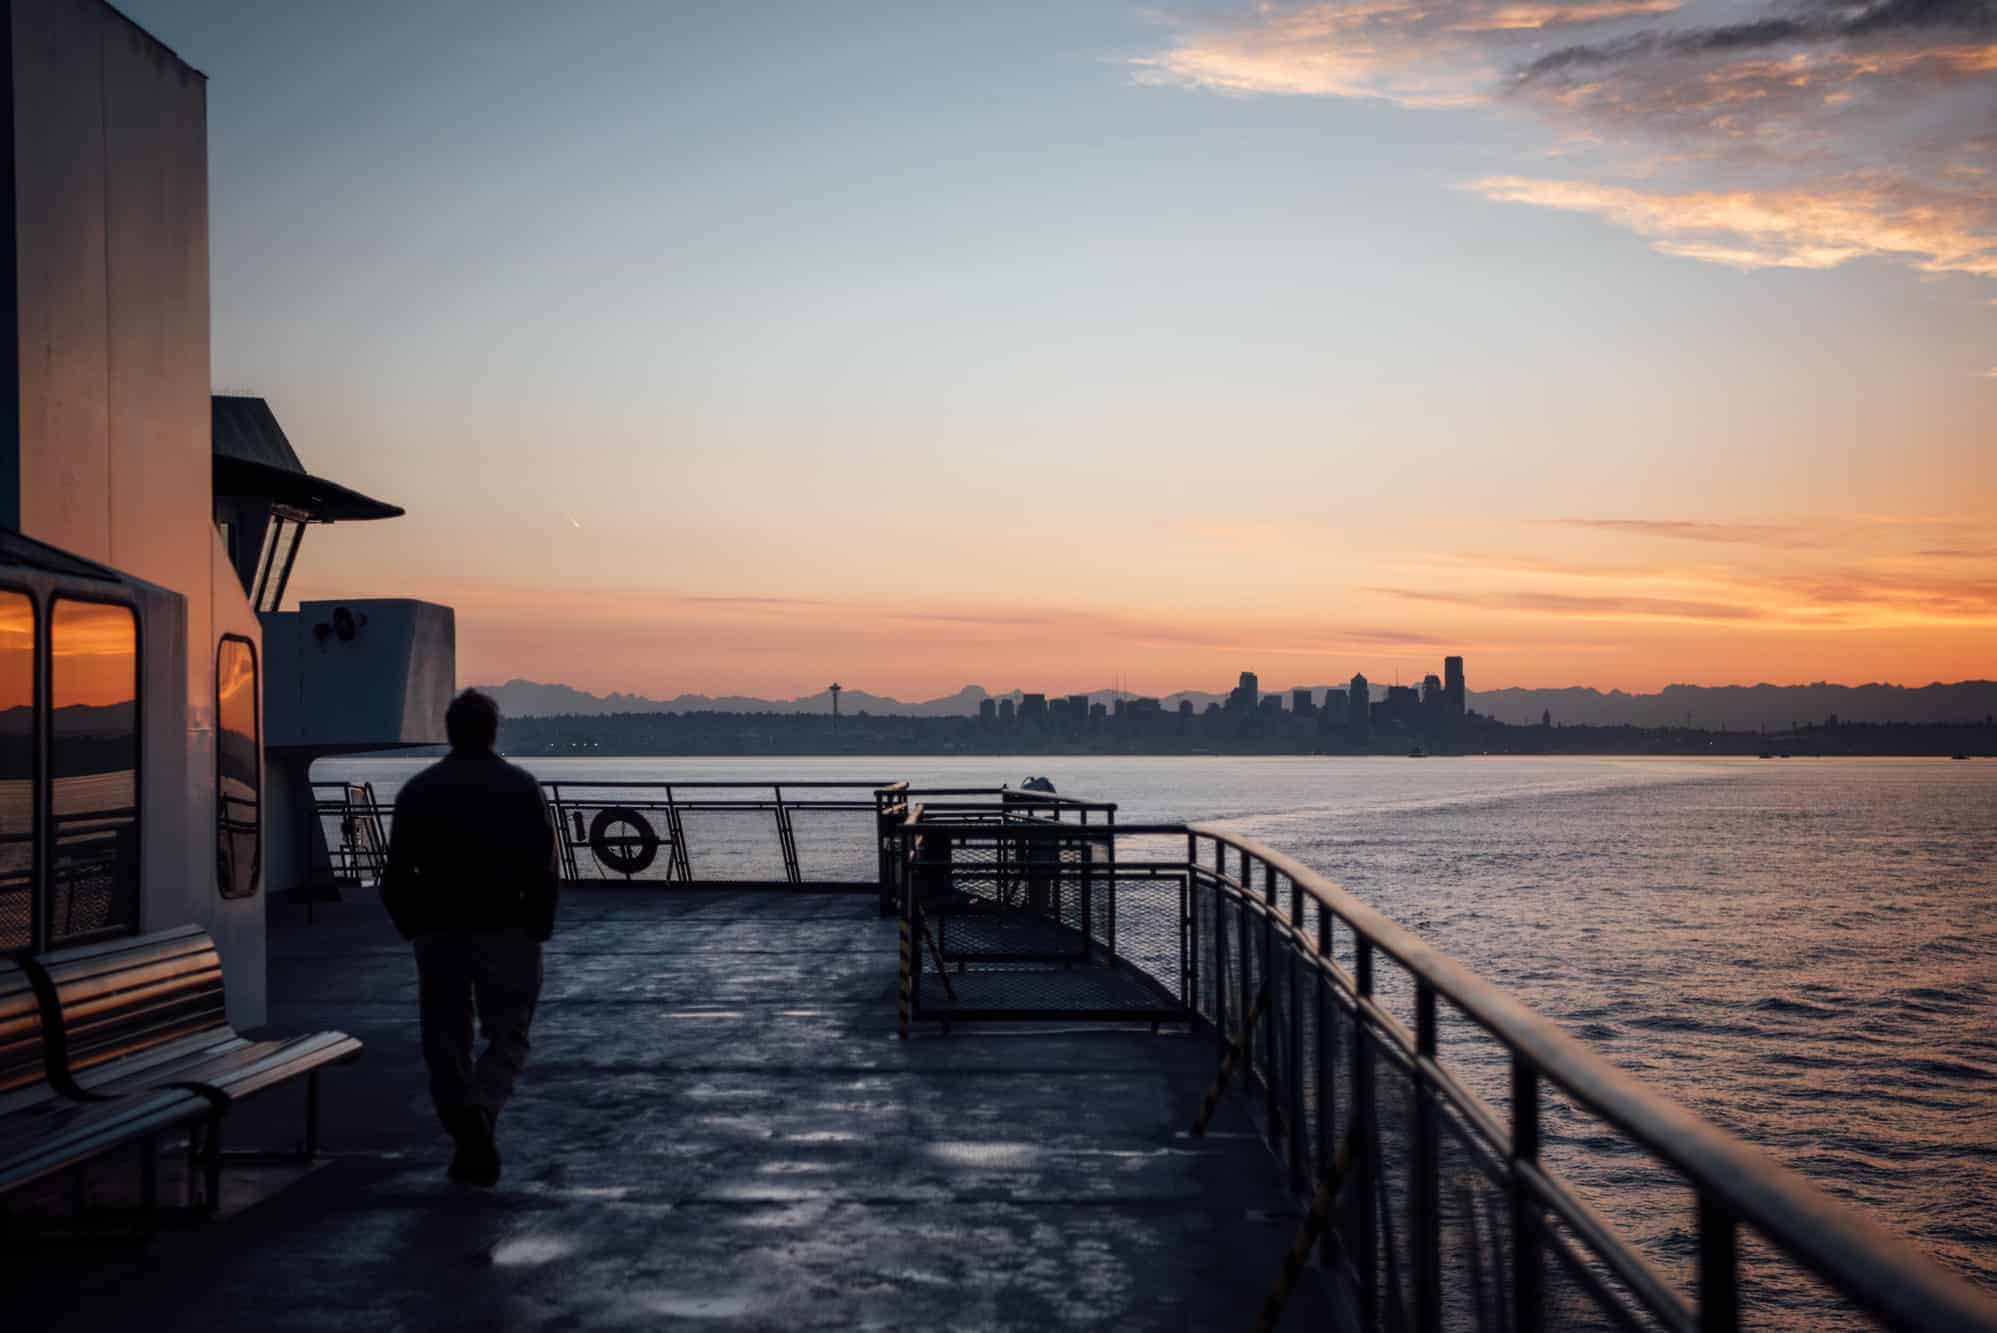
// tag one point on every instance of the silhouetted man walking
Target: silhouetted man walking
(471, 882)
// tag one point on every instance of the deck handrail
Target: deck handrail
(1876, 1267)
(1882, 1272)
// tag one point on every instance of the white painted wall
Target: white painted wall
(387, 685)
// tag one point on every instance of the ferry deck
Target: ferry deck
(1011, 1064)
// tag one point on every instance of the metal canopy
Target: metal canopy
(313, 499)
(254, 460)
(17, 550)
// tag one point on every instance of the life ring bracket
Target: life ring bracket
(629, 853)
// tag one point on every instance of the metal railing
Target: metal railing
(93, 875)
(356, 829)
(627, 831)
(984, 806)
(672, 832)
(1025, 915)
(808, 835)
(1446, 1210)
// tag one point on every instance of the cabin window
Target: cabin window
(93, 840)
(238, 769)
(17, 771)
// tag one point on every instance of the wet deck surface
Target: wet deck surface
(717, 1126)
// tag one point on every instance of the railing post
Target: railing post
(1109, 844)
(910, 980)
(1088, 899)
(1327, 1061)
(1299, 1177)
(1189, 932)
(1272, 1055)
(1366, 1257)
(1244, 920)
(1220, 1000)
(1719, 1267)
(1528, 1284)
(1425, 1195)
(786, 838)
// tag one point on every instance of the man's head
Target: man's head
(472, 722)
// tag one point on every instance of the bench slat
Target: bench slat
(268, 1064)
(36, 1144)
(150, 1012)
(23, 1055)
(121, 998)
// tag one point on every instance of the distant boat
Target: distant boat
(1417, 753)
(1958, 756)
(1765, 754)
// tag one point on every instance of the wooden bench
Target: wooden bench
(144, 1013)
(43, 1132)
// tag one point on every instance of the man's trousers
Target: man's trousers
(495, 974)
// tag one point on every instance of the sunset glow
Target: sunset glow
(1605, 342)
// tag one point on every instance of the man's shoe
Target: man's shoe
(476, 1161)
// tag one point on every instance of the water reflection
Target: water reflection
(93, 770)
(237, 769)
(17, 769)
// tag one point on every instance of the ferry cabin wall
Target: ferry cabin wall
(111, 450)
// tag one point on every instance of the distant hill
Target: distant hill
(527, 698)
(1735, 707)
(1744, 707)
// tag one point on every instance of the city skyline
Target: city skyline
(1960, 701)
(753, 345)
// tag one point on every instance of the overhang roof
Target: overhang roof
(252, 457)
(16, 549)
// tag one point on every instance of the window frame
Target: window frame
(38, 726)
(256, 721)
(45, 884)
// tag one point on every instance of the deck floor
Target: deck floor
(717, 1126)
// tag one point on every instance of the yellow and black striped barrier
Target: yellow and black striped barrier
(936, 954)
(908, 970)
(1227, 1062)
(1307, 1236)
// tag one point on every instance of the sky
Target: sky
(740, 347)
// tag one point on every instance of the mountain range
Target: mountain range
(1733, 707)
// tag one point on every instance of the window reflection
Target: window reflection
(237, 768)
(17, 770)
(93, 884)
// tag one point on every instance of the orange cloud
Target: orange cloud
(1883, 592)
(1848, 132)
(1415, 54)
(1521, 18)
(1686, 530)
(1598, 608)
(1816, 227)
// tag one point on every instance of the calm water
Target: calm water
(1804, 951)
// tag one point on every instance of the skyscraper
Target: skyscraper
(1300, 703)
(1455, 698)
(1358, 702)
(1244, 697)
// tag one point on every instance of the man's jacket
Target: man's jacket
(471, 849)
